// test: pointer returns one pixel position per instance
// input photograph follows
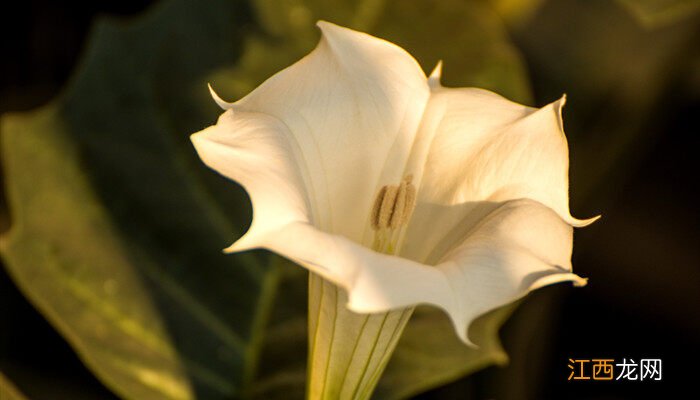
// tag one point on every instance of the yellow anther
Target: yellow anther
(387, 207)
(377, 207)
(397, 212)
(410, 202)
(394, 205)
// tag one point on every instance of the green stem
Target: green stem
(347, 351)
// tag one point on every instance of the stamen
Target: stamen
(377, 206)
(387, 208)
(391, 212)
(410, 201)
(394, 205)
(398, 214)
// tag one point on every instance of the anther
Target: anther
(377, 207)
(397, 213)
(410, 202)
(387, 207)
(394, 205)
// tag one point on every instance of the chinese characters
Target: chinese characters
(606, 369)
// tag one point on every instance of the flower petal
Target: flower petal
(520, 246)
(476, 149)
(255, 150)
(350, 122)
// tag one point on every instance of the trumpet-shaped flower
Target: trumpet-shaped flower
(396, 190)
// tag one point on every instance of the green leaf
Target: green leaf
(655, 13)
(116, 226)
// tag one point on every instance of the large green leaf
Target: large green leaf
(117, 227)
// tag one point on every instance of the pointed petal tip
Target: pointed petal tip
(558, 104)
(558, 277)
(323, 24)
(236, 247)
(580, 282)
(435, 76)
(195, 138)
(198, 139)
(327, 28)
(245, 242)
(581, 223)
(204, 140)
(219, 101)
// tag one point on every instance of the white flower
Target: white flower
(401, 191)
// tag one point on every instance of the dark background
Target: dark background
(642, 257)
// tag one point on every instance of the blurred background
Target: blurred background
(631, 71)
